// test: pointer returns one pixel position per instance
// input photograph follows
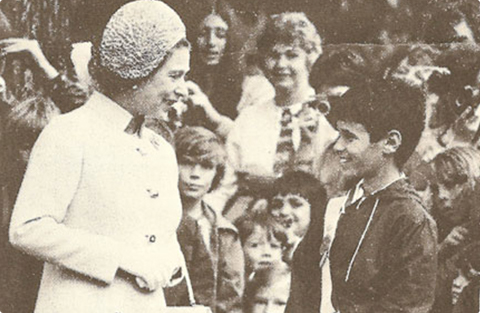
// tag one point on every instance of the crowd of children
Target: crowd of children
(312, 178)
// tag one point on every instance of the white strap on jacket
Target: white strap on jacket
(361, 239)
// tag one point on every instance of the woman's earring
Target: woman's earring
(134, 87)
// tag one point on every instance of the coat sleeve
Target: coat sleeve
(230, 275)
(411, 268)
(37, 226)
(233, 147)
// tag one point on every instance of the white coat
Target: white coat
(90, 193)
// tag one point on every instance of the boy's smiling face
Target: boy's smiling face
(195, 180)
(292, 212)
(358, 156)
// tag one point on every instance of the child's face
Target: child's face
(261, 250)
(292, 212)
(195, 180)
(462, 281)
(448, 197)
(272, 299)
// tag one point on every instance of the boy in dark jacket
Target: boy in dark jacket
(209, 242)
(383, 258)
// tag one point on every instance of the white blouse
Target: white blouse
(252, 143)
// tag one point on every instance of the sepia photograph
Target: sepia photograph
(240, 156)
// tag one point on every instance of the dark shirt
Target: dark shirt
(306, 285)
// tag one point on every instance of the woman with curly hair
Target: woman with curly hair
(293, 135)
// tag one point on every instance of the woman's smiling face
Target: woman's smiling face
(286, 66)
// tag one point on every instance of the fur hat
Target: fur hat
(138, 37)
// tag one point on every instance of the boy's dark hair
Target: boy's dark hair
(302, 184)
(339, 67)
(197, 145)
(382, 106)
(464, 66)
(246, 223)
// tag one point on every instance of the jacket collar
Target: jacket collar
(217, 219)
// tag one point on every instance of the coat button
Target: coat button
(152, 238)
(142, 153)
(152, 193)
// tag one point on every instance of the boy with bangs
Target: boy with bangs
(384, 255)
(261, 239)
(455, 209)
(209, 242)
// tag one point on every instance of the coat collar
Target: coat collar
(109, 111)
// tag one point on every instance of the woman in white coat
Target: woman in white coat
(99, 202)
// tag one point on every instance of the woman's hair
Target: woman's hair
(23, 125)
(291, 28)
(222, 83)
(197, 145)
(263, 278)
(27, 119)
(228, 15)
(458, 165)
(111, 83)
(247, 222)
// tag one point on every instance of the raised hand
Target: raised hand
(30, 47)
(308, 121)
(456, 236)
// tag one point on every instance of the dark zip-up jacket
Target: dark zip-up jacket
(384, 255)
